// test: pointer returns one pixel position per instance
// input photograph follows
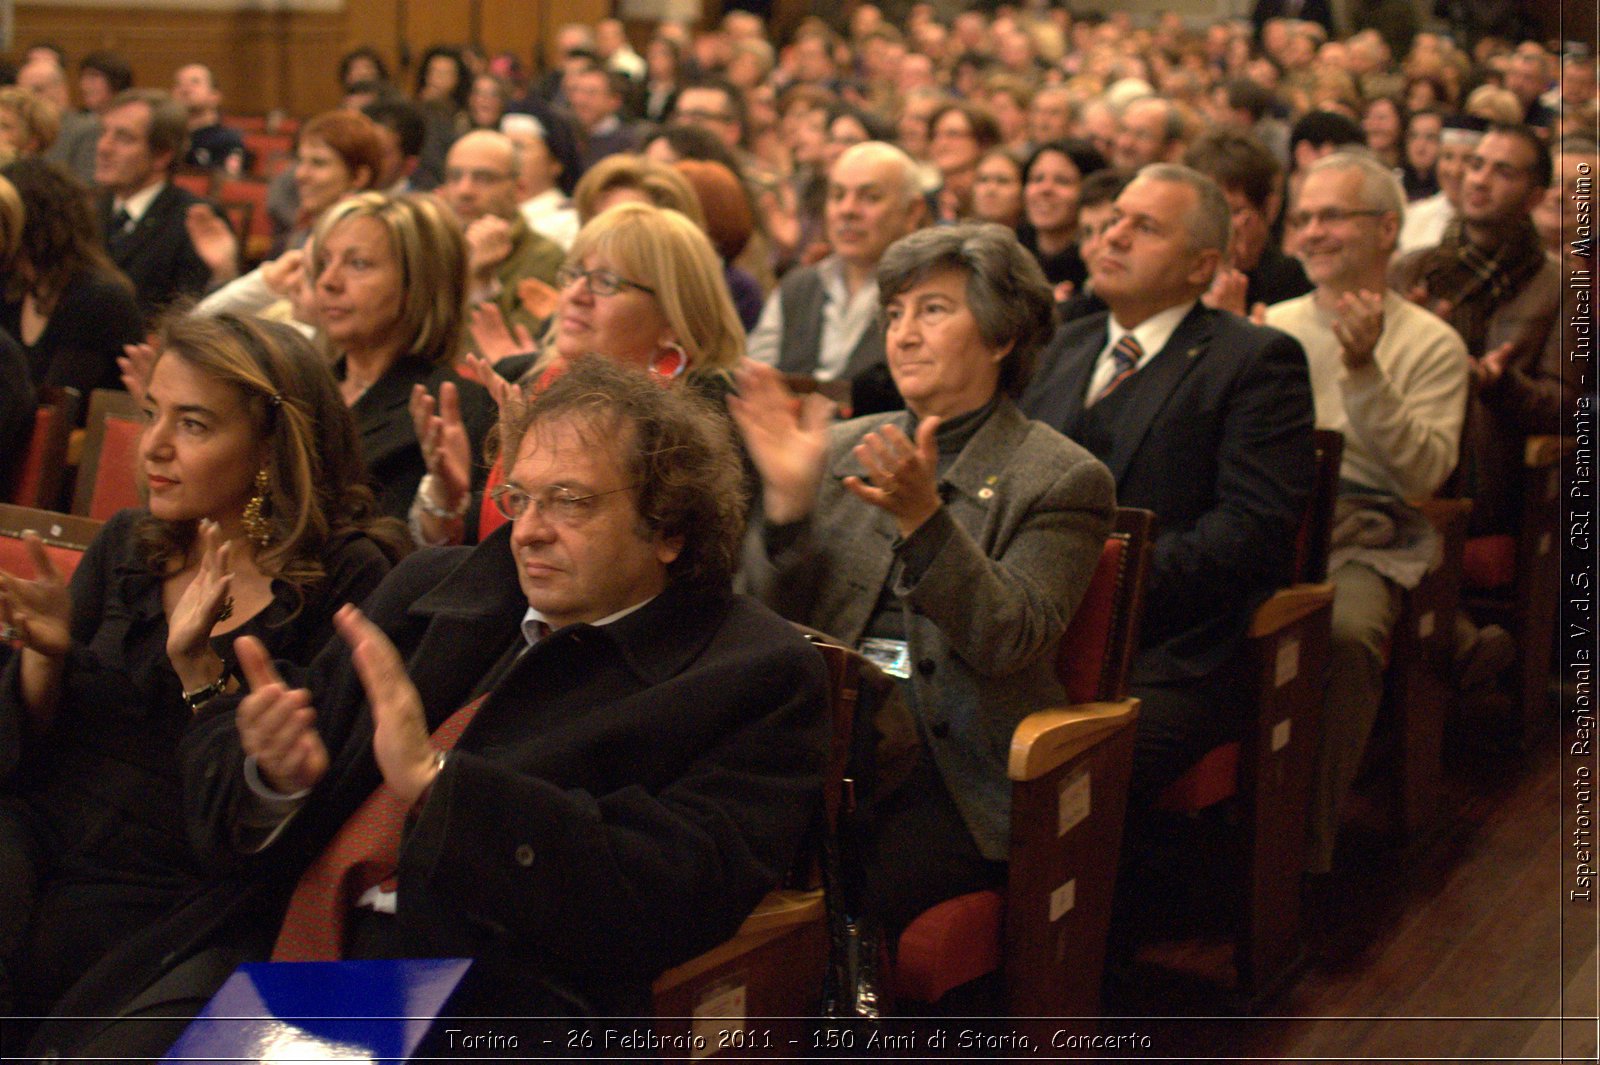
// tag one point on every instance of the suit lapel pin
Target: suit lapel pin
(1192, 352)
(987, 491)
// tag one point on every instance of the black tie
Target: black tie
(120, 222)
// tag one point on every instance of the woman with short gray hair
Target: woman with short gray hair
(950, 543)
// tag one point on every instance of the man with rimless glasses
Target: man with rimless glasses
(1392, 378)
(569, 753)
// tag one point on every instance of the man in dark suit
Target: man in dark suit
(1201, 417)
(595, 758)
(145, 219)
(595, 96)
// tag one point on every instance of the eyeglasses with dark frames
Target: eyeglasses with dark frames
(600, 282)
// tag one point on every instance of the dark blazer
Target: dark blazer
(619, 804)
(388, 439)
(1026, 513)
(1218, 444)
(157, 254)
(79, 347)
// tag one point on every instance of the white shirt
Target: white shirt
(137, 204)
(1425, 223)
(845, 319)
(1152, 335)
(551, 214)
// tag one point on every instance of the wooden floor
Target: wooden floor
(1458, 947)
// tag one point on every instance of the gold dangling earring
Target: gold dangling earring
(254, 521)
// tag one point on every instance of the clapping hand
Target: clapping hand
(136, 362)
(205, 603)
(214, 241)
(480, 370)
(1358, 324)
(903, 476)
(1492, 366)
(277, 724)
(37, 614)
(493, 337)
(787, 438)
(446, 449)
(399, 727)
(1227, 291)
(488, 244)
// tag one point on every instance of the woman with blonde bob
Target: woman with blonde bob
(257, 522)
(642, 287)
(389, 290)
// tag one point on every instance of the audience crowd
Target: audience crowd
(944, 288)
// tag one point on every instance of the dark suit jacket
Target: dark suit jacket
(1218, 444)
(156, 254)
(620, 803)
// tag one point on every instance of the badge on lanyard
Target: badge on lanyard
(891, 656)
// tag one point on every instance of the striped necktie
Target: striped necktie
(1125, 360)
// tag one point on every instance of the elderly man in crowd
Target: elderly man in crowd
(1150, 130)
(480, 186)
(823, 320)
(569, 753)
(1392, 378)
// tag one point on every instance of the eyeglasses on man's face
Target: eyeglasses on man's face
(1328, 216)
(553, 503)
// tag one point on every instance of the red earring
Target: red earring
(670, 362)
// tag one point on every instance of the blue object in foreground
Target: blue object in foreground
(368, 1011)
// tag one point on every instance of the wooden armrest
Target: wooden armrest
(1289, 605)
(782, 909)
(56, 530)
(775, 914)
(1047, 738)
(1539, 452)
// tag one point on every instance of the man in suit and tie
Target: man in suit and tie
(145, 218)
(1205, 419)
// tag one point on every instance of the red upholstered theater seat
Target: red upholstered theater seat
(65, 536)
(949, 945)
(1081, 662)
(970, 936)
(38, 480)
(1208, 782)
(1489, 562)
